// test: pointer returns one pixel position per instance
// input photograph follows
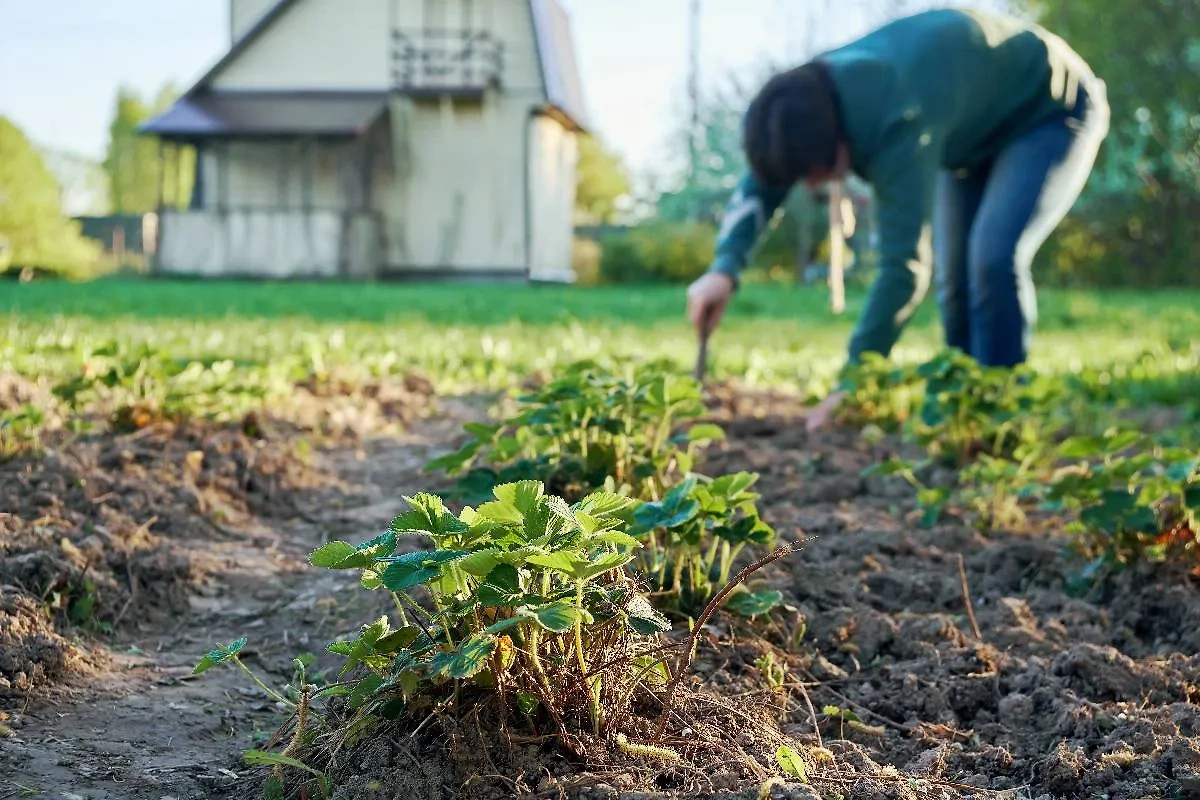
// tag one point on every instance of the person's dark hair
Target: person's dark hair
(791, 128)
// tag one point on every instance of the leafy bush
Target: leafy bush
(586, 429)
(530, 603)
(657, 252)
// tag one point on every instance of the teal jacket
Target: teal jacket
(940, 90)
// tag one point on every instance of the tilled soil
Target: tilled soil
(1058, 697)
(183, 536)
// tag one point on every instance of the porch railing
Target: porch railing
(268, 243)
(450, 60)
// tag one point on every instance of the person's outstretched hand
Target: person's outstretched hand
(707, 298)
(822, 415)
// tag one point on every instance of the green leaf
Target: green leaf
(617, 539)
(426, 558)
(502, 625)
(505, 577)
(604, 563)
(706, 432)
(733, 487)
(219, 654)
(644, 619)
(480, 563)
(563, 561)
(1119, 441)
(1115, 511)
(751, 604)
(1182, 471)
(675, 509)
(490, 596)
(1080, 447)
(527, 702)
(363, 690)
(1191, 496)
(330, 554)
(746, 529)
(482, 430)
(401, 576)
(558, 617)
(470, 657)
(604, 504)
(397, 640)
(428, 514)
(452, 463)
(524, 496)
(258, 758)
(791, 763)
(334, 555)
(499, 512)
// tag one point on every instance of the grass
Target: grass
(488, 335)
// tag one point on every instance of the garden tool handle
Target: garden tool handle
(702, 350)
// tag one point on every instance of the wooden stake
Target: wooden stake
(837, 244)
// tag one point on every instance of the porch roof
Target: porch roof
(261, 114)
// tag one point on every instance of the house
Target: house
(380, 138)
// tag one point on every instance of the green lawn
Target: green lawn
(468, 335)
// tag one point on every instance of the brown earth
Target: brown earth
(1060, 697)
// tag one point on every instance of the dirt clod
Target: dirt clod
(32, 653)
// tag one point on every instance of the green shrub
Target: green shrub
(657, 252)
(585, 261)
(34, 234)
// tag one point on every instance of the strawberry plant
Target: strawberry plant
(967, 409)
(147, 385)
(878, 393)
(20, 429)
(693, 536)
(1138, 507)
(584, 430)
(528, 606)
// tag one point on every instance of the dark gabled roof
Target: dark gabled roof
(552, 34)
(255, 113)
(556, 52)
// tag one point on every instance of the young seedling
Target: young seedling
(223, 653)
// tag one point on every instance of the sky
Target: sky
(61, 61)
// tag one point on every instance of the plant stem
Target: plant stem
(276, 695)
(711, 558)
(579, 629)
(400, 610)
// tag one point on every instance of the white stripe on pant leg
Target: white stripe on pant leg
(1060, 190)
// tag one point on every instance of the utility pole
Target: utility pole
(693, 90)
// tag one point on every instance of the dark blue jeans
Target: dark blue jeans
(989, 223)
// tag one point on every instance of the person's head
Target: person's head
(791, 130)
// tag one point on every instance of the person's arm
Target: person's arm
(904, 178)
(746, 217)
